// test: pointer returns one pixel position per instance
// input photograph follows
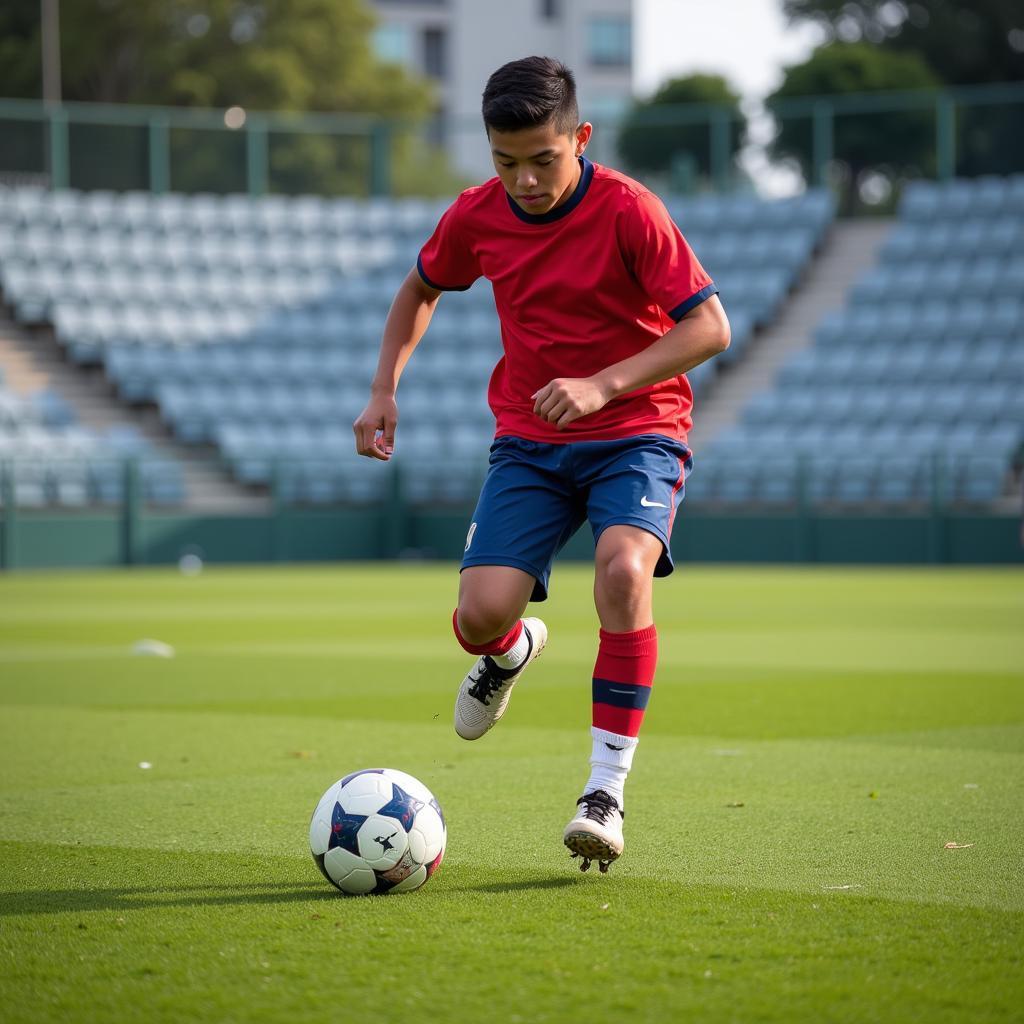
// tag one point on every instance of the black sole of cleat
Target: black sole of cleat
(590, 848)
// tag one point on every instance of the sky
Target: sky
(747, 41)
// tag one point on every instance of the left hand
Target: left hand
(566, 399)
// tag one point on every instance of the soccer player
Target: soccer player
(603, 309)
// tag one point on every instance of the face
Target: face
(538, 166)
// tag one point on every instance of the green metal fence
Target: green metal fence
(89, 145)
(134, 528)
(966, 130)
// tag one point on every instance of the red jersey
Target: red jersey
(577, 289)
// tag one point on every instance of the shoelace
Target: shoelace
(487, 683)
(598, 806)
(492, 678)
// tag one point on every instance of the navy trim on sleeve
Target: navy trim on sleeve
(434, 284)
(694, 300)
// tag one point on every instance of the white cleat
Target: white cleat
(596, 831)
(484, 693)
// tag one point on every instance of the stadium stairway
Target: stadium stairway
(849, 249)
(32, 360)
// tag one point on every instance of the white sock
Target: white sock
(610, 761)
(516, 654)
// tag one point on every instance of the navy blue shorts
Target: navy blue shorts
(537, 495)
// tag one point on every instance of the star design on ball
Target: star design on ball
(345, 829)
(402, 806)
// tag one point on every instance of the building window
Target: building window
(606, 109)
(610, 42)
(550, 10)
(434, 55)
(391, 43)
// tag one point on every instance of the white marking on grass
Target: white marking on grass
(854, 886)
(153, 649)
(145, 765)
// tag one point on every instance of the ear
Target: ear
(583, 133)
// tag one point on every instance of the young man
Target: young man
(603, 308)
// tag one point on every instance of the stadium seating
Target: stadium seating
(52, 461)
(254, 323)
(915, 390)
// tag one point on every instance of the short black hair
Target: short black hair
(530, 92)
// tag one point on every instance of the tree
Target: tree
(294, 55)
(900, 142)
(655, 137)
(963, 42)
(270, 55)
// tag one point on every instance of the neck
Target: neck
(577, 173)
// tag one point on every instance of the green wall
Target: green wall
(40, 540)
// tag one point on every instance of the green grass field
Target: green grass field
(814, 741)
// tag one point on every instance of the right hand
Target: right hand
(375, 427)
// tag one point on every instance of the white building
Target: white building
(458, 43)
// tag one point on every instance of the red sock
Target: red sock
(501, 645)
(623, 677)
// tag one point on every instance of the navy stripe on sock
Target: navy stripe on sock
(621, 695)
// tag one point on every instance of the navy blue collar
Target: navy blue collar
(587, 173)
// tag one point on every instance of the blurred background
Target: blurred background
(206, 208)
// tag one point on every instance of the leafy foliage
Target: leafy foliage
(902, 142)
(274, 55)
(962, 42)
(295, 55)
(654, 137)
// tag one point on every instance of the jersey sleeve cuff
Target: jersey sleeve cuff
(694, 300)
(435, 285)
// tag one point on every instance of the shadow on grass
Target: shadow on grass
(75, 901)
(521, 884)
(16, 904)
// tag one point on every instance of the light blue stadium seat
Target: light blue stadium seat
(834, 405)
(983, 480)
(920, 202)
(737, 479)
(799, 369)
(813, 438)
(162, 482)
(31, 481)
(819, 476)
(105, 481)
(69, 483)
(777, 480)
(900, 478)
(854, 480)
(766, 407)
(52, 409)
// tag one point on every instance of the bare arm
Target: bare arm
(699, 335)
(407, 321)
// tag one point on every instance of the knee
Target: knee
(623, 577)
(481, 621)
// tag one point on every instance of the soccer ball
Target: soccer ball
(377, 830)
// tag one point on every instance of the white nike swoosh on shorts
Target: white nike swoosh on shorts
(651, 504)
